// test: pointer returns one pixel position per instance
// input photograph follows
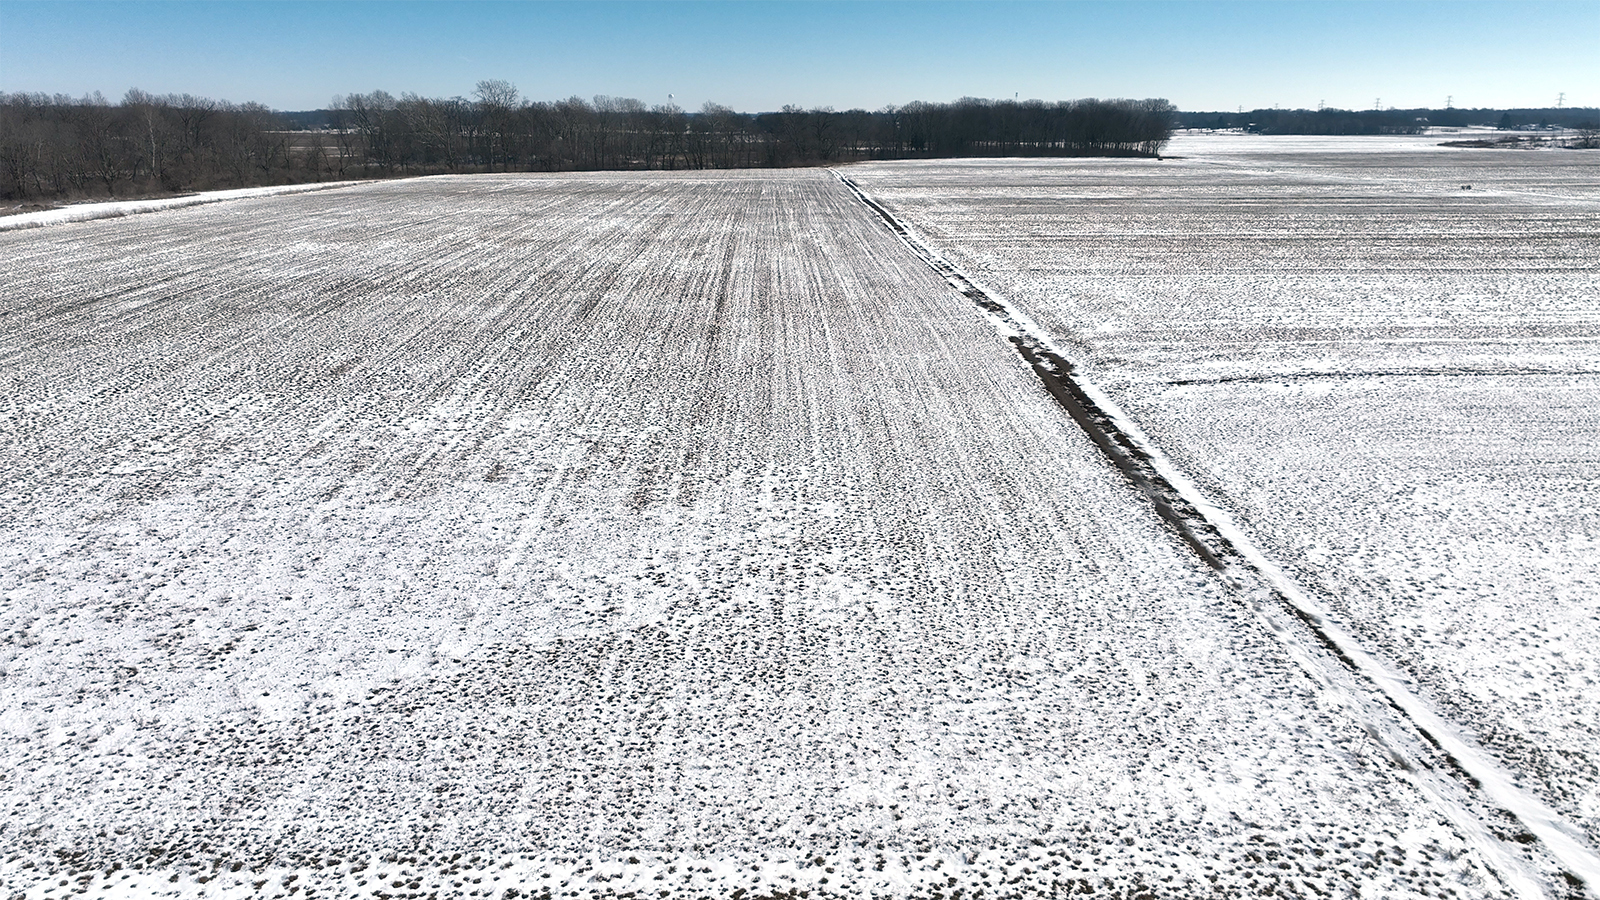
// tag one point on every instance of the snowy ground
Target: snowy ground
(113, 209)
(586, 535)
(1390, 379)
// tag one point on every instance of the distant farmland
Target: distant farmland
(687, 534)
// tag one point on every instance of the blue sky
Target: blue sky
(761, 55)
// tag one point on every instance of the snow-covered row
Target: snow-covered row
(1389, 379)
(576, 535)
(85, 212)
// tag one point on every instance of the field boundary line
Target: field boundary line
(116, 209)
(1290, 613)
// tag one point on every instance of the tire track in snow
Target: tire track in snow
(1298, 621)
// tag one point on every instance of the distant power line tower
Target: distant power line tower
(1561, 99)
(1377, 103)
(1450, 101)
(1320, 106)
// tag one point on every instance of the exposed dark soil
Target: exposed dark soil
(20, 208)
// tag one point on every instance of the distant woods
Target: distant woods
(498, 131)
(59, 147)
(55, 147)
(1387, 121)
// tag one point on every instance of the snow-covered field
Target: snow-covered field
(1391, 380)
(685, 535)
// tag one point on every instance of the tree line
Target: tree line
(54, 147)
(1385, 121)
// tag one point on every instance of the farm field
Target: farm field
(1389, 380)
(685, 534)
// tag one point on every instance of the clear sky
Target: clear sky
(758, 56)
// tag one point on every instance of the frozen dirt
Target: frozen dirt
(605, 535)
(1379, 355)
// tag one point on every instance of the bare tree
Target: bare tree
(148, 114)
(497, 99)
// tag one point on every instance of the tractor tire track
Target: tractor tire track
(1293, 616)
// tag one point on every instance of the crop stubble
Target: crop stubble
(604, 533)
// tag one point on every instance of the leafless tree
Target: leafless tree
(497, 99)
